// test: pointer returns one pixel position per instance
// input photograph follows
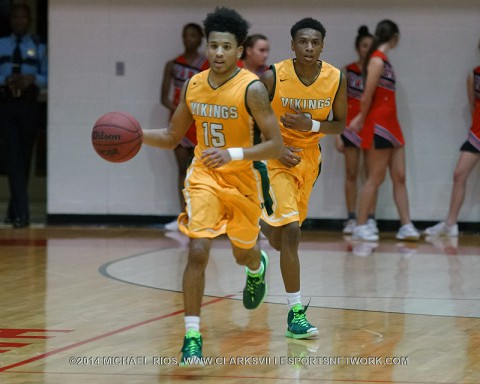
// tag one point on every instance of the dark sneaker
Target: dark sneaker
(298, 326)
(192, 349)
(256, 287)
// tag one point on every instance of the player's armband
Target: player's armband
(236, 153)
(315, 126)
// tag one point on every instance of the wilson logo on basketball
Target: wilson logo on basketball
(103, 136)
(117, 136)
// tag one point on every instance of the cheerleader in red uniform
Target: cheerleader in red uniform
(469, 157)
(349, 142)
(178, 71)
(382, 135)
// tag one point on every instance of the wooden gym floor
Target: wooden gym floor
(103, 305)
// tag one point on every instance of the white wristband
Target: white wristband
(236, 153)
(315, 126)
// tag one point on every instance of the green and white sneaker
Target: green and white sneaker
(298, 325)
(256, 287)
(192, 349)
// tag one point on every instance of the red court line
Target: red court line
(99, 337)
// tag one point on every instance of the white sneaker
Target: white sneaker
(172, 226)
(408, 232)
(372, 224)
(364, 233)
(349, 225)
(442, 229)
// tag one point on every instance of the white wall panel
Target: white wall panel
(438, 48)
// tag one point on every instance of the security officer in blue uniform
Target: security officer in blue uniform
(23, 72)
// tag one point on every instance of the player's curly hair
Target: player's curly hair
(226, 20)
(307, 22)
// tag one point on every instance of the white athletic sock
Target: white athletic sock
(257, 271)
(294, 298)
(192, 323)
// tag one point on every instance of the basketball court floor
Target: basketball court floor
(103, 305)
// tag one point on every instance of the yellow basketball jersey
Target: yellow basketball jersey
(315, 100)
(221, 114)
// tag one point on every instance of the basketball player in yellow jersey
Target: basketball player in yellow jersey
(304, 91)
(223, 188)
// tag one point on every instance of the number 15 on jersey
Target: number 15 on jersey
(213, 135)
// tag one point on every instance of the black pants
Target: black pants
(19, 122)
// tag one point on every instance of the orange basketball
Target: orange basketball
(117, 136)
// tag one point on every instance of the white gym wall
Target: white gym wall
(438, 47)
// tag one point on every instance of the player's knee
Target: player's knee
(291, 231)
(275, 238)
(198, 255)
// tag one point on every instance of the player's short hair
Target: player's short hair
(226, 20)
(307, 22)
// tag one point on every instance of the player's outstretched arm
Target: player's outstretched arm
(259, 104)
(169, 138)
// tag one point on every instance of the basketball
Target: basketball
(117, 137)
